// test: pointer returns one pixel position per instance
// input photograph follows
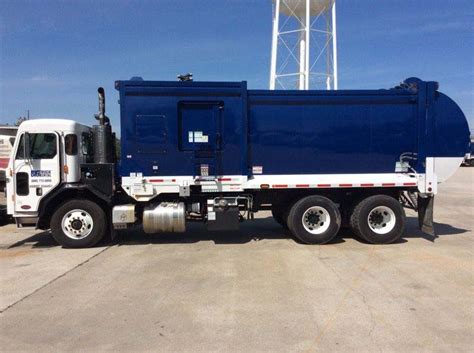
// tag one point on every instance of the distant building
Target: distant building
(7, 138)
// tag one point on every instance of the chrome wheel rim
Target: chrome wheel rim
(316, 220)
(77, 224)
(381, 220)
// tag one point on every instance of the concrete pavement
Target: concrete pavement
(255, 290)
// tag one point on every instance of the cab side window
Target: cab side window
(22, 184)
(71, 144)
(41, 146)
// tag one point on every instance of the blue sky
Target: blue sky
(54, 54)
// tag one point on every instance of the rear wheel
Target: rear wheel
(78, 224)
(314, 220)
(379, 219)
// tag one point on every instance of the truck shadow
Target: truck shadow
(43, 239)
(256, 230)
(441, 230)
(412, 231)
(265, 229)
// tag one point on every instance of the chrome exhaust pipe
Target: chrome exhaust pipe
(103, 119)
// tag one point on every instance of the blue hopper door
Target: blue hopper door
(200, 125)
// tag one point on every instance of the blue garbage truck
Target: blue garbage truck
(217, 152)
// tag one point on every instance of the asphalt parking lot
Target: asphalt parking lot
(255, 290)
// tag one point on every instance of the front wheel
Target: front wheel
(78, 224)
(379, 219)
(314, 220)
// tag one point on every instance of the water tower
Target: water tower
(304, 48)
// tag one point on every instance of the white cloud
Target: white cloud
(40, 78)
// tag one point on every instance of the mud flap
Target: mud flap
(425, 214)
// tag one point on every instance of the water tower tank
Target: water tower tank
(304, 50)
(298, 7)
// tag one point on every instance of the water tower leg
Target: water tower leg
(329, 59)
(302, 58)
(334, 45)
(308, 33)
(276, 19)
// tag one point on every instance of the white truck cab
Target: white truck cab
(46, 153)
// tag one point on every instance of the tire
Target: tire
(314, 220)
(379, 219)
(78, 224)
(280, 215)
(471, 162)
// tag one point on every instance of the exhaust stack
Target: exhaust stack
(104, 148)
(103, 119)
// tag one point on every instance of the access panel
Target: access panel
(200, 126)
(200, 133)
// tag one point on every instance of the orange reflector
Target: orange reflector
(264, 186)
(65, 169)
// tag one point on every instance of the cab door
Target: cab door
(36, 169)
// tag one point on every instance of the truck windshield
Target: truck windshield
(42, 146)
